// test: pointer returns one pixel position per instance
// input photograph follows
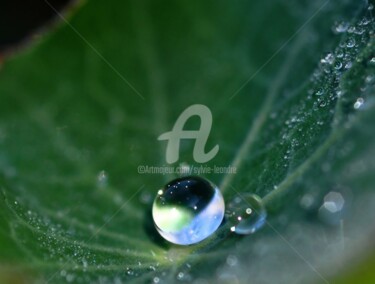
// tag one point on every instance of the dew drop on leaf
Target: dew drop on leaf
(348, 65)
(359, 102)
(332, 209)
(129, 271)
(184, 169)
(341, 27)
(188, 210)
(307, 201)
(145, 197)
(180, 276)
(247, 214)
(350, 43)
(232, 260)
(328, 59)
(102, 179)
(338, 65)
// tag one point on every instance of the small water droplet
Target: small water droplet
(359, 31)
(319, 92)
(184, 169)
(348, 65)
(369, 79)
(359, 102)
(102, 179)
(145, 197)
(307, 201)
(351, 29)
(187, 210)
(341, 27)
(338, 65)
(273, 115)
(232, 260)
(129, 271)
(180, 276)
(331, 210)
(156, 280)
(328, 59)
(248, 215)
(70, 278)
(350, 43)
(340, 54)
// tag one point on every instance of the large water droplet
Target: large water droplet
(187, 210)
(247, 214)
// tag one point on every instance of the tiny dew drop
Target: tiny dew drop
(341, 27)
(320, 92)
(338, 65)
(129, 271)
(180, 276)
(358, 104)
(322, 103)
(328, 59)
(102, 178)
(333, 208)
(188, 210)
(247, 214)
(232, 260)
(348, 65)
(350, 43)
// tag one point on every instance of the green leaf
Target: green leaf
(290, 85)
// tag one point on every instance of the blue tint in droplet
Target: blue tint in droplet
(187, 210)
(247, 214)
